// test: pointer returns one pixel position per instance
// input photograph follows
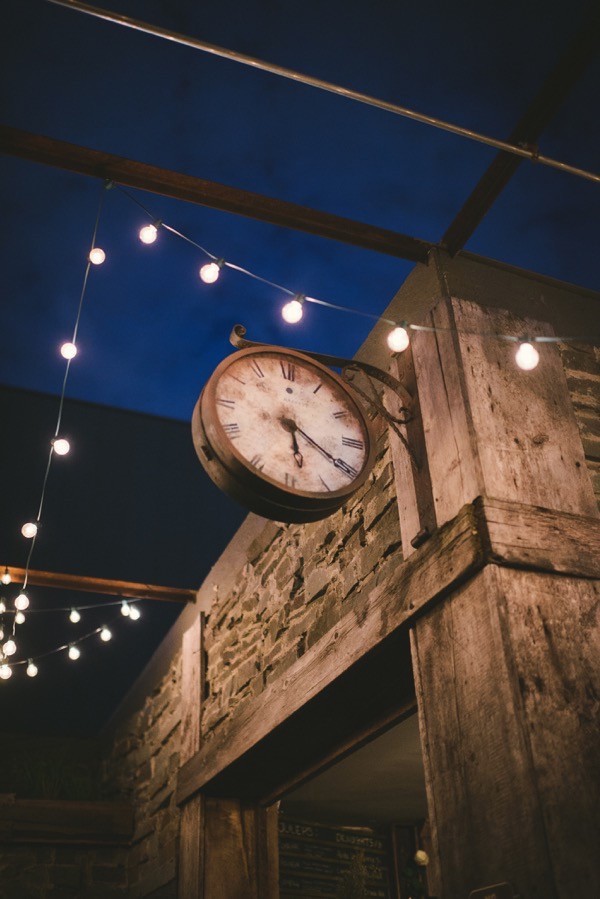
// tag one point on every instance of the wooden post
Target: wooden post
(227, 849)
(504, 664)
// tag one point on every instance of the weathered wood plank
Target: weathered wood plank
(541, 539)
(192, 822)
(476, 750)
(62, 821)
(107, 586)
(452, 554)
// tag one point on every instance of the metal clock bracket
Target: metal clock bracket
(349, 368)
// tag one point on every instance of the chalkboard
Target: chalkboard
(313, 859)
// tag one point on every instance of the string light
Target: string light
(74, 616)
(134, 613)
(22, 602)
(5, 671)
(398, 340)
(527, 357)
(97, 256)
(148, 234)
(73, 652)
(10, 647)
(210, 271)
(105, 634)
(31, 669)
(2, 607)
(1, 634)
(68, 350)
(61, 446)
(125, 609)
(29, 529)
(293, 311)
(19, 618)
(6, 578)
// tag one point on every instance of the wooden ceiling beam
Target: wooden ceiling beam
(569, 69)
(130, 173)
(105, 586)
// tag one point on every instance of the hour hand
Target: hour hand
(291, 426)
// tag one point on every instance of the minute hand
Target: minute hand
(339, 463)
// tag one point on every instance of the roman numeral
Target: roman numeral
(257, 462)
(232, 429)
(350, 441)
(341, 414)
(256, 368)
(347, 469)
(318, 387)
(288, 370)
(229, 404)
(290, 480)
(239, 380)
(325, 485)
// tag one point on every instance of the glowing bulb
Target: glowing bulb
(5, 672)
(6, 578)
(97, 256)
(74, 616)
(292, 312)
(105, 634)
(31, 669)
(10, 647)
(134, 613)
(125, 609)
(20, 618)
(148, 233)
(210, 271)
(68, 350)
(22, 602)
(61, 446)
(2, 606)
(398, 340)
(29, 529)
(1, 634)
(527, 357)
(74, 652)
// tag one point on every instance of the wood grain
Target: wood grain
(61, 821)
(191, 825)
(108, 586)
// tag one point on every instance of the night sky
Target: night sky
(151, 332)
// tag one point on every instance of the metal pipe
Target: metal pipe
(155, 30)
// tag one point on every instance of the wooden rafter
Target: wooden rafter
(101, 585)
(85, 161)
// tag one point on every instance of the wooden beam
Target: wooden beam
(100, 585)
(254, 751)
(579, 54)
(62, 821)
(73, 158)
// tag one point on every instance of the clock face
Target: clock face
(283, 428)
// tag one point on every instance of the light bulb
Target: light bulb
(125, 609)
(5, 672)
(22, 602)
(148, 234)
(68, 350)
(527, 357)
(31, 669)
(398, 340)
(105, 634)
(20, 618)
(2, 607)
(6, 578)
(97, 256)
(1, 634)
(210, 272)
(74, 652)
(292, 312)
(29, 529)
(61, 446)
(10, 647)
(134, 613)
(74, 616)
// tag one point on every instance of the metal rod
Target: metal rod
(530, 153)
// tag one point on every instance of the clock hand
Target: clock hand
(338, 463)
(290, 426)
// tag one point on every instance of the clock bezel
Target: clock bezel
(234, 474)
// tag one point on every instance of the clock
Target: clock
(282, 434)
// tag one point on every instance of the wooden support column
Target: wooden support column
(504, 666)
(227, 848)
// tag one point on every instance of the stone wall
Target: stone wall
(582, 367)
(63, 872)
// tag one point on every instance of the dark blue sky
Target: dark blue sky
(151, 333)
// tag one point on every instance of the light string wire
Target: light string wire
(338, 307)
(78, 608)
(106, 185)
(61, 648)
